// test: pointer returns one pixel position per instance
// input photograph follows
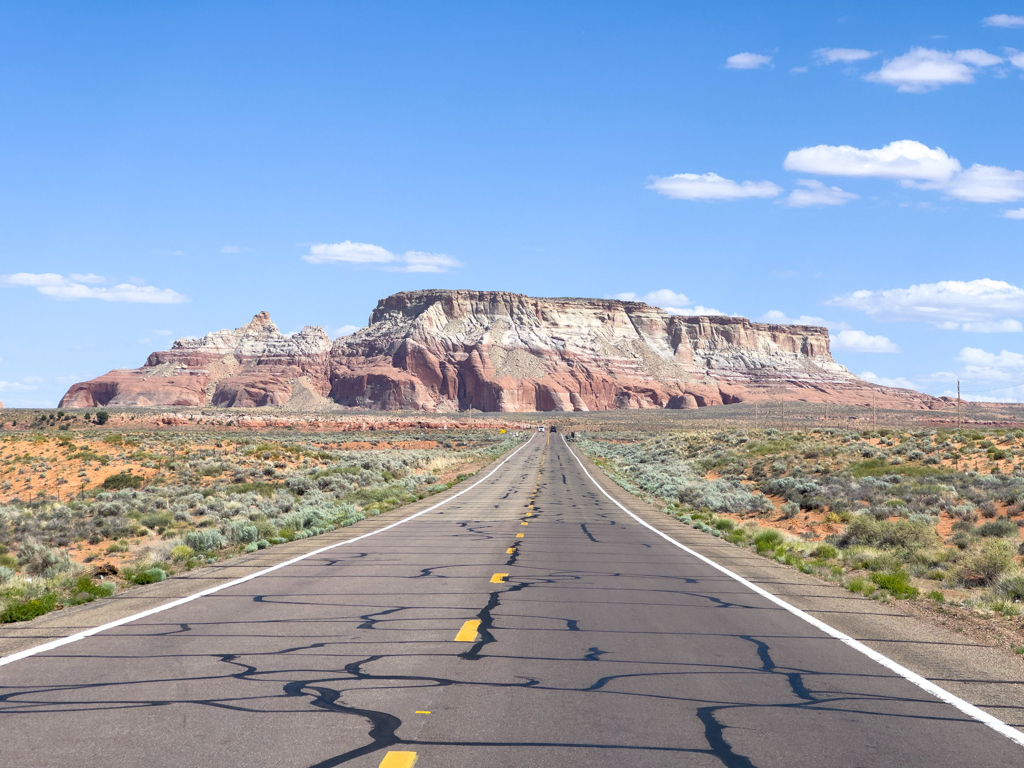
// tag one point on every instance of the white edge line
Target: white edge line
(927, 685)
(181, 601)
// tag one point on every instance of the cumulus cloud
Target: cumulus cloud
(859, 341)
(76, 287)
(1015, 214)
(925, 69)
(711, 186)
(747, 61)
(1016, 58)
(981, 306)
(1003, 20)
(913, 164)
(844, 55)
(817, 193)
(842, 336)
(898, 160)
(376, 256)
(672, 302)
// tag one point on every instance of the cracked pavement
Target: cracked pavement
(605, 646)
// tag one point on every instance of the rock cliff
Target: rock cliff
(441, 350)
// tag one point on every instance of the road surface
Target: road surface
(603, 646)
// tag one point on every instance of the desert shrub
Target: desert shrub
(122, 480)
(897, 583)
(39, 559)
(6, 574)
(865, 530)
(1000, 527)
(1011, 586)
(147, 576)
(28, 609)
(790, 510)
(204, 540)
(825, 552)
(182, 553)
(768, 539)
(985, 562)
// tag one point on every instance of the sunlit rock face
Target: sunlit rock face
(445, 350)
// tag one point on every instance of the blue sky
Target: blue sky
(168, 169)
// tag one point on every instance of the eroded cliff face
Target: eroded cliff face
(494, 351)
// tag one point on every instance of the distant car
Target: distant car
(540, 429)
(554, 429)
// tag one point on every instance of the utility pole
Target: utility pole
(826, 414)
(874, 414)
(958, 404)
(783, 415)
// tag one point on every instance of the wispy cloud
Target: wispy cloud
(345, 330)
(1015, 214)
(77, 286)
(234, 249)
(843, 338)
(367, 254)
(925, 69)
(979, 306)
(748, 61)
(816, 193)
(711, 186)
(1003, 20)
(842, 55)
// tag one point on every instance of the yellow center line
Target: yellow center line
(524, 523)
(519, 535)
(498, 578)
(422, 711)
(398, 760)
(529, 514)
(510, 550)
(468, 633)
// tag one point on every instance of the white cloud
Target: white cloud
(369, 254)
(817, 193)
(747, 61)
(859, 341)
(1016, 214)
(977, 305)
(900, 382)
(163, 333)
(345, 330)
(1003, 20)
(69, 289)
(1016, 58)
(915, 165)
(898, 160)
(711, 186)
(925, 69)
(672, 302)
(776, 317)
(845, 55)
(234, 249)
(980, 184)
(800, 70)
(89, 278)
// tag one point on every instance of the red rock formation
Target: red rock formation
(444, 351)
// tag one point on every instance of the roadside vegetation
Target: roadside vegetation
(82, 515)
(929, 515)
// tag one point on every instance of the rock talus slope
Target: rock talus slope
(450, 350)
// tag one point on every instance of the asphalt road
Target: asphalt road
(604, 646)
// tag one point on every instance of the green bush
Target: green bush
(148, 576)
(865, 530)
(985, 562)
(825, 552)
(182, 553)
(122, 480)
(1011, 586)
(767, 540)
(29, 609)
(897, 583)
(1003, 526)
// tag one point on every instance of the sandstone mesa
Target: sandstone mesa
(452, 350)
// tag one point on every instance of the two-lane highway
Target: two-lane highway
(527, 622)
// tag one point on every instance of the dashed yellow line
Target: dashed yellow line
(519, 535)
(498, 578)
(468, 633)
(524, 523)
(510, 550)
(422, 711)
(398, 760)
(529, 514)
